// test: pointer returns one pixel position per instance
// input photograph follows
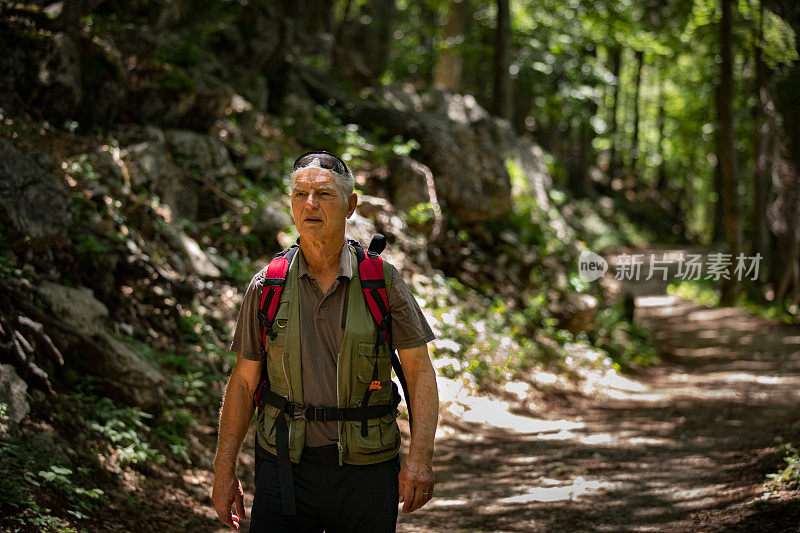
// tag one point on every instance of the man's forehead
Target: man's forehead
(317, 178)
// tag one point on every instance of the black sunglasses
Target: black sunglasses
(327, 160)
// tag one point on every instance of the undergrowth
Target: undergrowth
(706, 292)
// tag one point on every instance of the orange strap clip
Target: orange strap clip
(375, 385)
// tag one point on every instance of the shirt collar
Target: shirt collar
(345, 264)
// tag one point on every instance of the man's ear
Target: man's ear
(352, 202)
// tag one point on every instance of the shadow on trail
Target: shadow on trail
(680, 454)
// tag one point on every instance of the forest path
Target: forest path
(679, 452)
(680, 448)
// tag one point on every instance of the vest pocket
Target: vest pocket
(365, 366)
(275, 354)
(382, 434)
(265, 421)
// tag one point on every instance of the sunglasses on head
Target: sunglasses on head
(326, 160)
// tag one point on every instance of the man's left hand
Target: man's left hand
(416, 483)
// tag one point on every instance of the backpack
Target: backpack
(373, 284)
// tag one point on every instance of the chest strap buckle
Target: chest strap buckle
(295, 411)
(318, 414)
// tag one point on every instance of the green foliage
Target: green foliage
(788, 476)
(706, 292)
(176, 79)
(30, 477)
(628, 344)
(123, 427)
(703, 292)
(420, 215)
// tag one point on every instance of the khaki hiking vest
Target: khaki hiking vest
(354, 374)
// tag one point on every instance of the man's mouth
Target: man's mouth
(313, 219)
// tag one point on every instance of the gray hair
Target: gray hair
(345, 183)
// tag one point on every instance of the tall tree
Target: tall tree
(661, 177)
(449, 65)
(636, 111)
(377, 35)
(615, 65)
(759, 232)
(725, 149)
(502, 62)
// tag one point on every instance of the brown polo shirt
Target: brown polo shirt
(322, 322)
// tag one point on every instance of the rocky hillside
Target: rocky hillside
(141, 188)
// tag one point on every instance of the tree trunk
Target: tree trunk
(378, 36)
(636, 115)
(320, 17)
(502, 62)
(760, 173)
(449, 65)
(615, 60)
(725, 151)
(661, 179)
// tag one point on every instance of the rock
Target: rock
(75, 307)
(202, 155)
(401, 98)
(104, 83)
(131, 378)
(150, 166)
(457, 141)
(197, 260)
(35, 201)
(461, 150)
(372, 206)
(267, 220)
(59, 78)
(407, 185)
(576, 313)
(91, 348)
(176, 97)
(13, 402)
(107, 164)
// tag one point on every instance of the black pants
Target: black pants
(329, 497)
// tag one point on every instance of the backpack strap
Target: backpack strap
(274, 282)
(373, 284)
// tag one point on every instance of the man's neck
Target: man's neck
(322, 257)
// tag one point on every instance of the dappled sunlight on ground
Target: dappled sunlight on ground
(681, 448)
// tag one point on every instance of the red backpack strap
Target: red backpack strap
(373, 285)
(274, 282)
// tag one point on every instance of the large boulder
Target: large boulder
(34, 202)
(151, 167)
(190, 172)
(407, 184)
(267, 220)
(91, 348)
(60, 87)
(176, 97)
(13, 402)
(192, 255)
(61, 76)
(203, 156)
(457, 141)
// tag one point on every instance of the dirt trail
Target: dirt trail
(681, 453)
(682, 448)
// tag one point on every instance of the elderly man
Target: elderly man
(336, 466)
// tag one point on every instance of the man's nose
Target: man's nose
(311, 200)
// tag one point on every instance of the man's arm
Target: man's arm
(234, 421)
(416, 474)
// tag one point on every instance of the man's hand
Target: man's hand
(416, 483)
(228, 492)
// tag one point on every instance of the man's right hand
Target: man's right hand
(228, 493)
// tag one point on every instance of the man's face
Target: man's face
(318, 207)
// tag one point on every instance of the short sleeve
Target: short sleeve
(409, 327)
(247, 337)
